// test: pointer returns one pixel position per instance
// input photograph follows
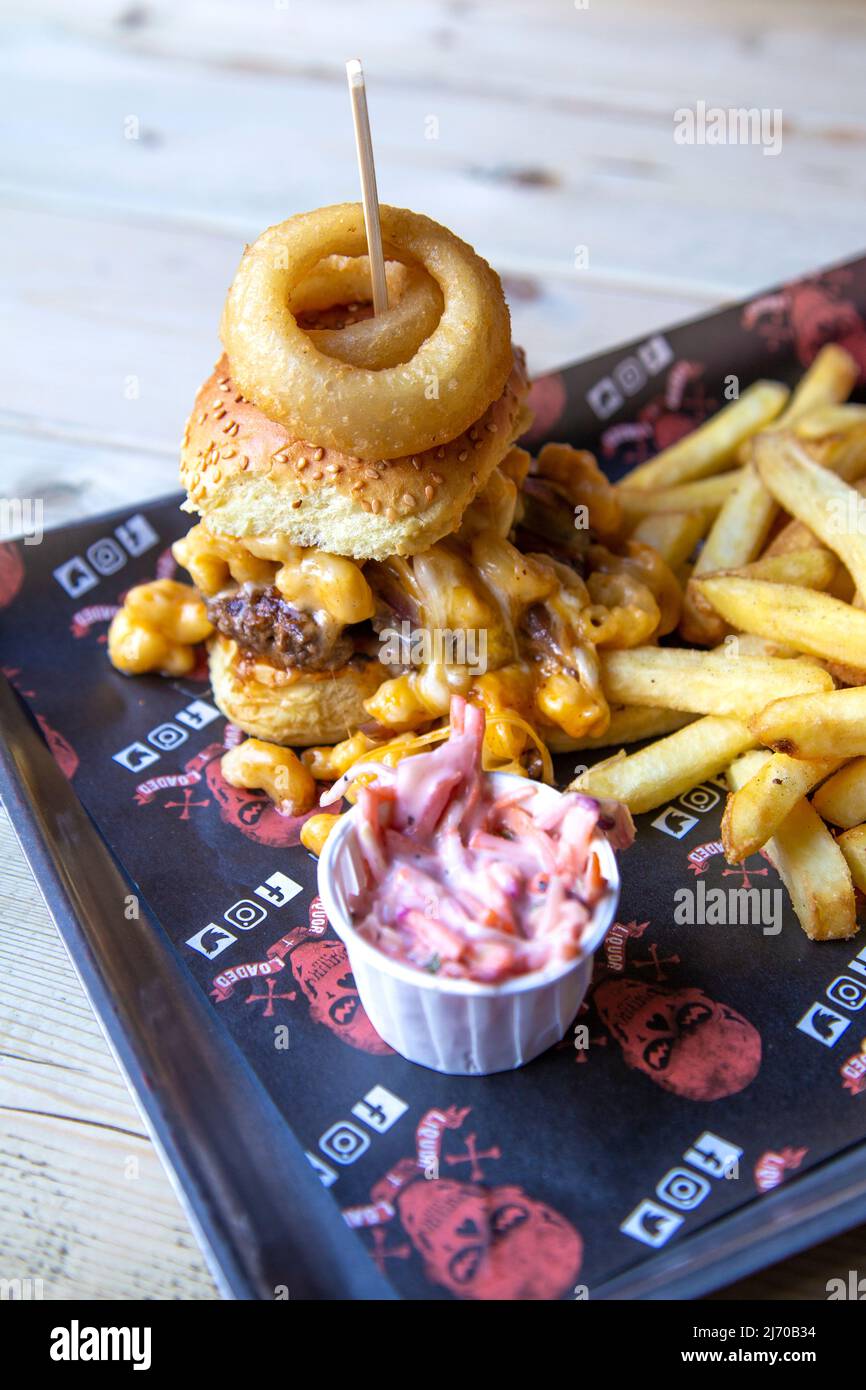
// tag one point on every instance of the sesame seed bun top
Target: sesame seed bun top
(246, 476)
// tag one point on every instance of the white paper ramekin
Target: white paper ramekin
(458, 1026)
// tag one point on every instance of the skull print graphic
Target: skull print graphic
(476, 1241)
(322, 970)
(490, 1243)
(681, 1039)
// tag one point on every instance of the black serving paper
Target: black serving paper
(712, 1061)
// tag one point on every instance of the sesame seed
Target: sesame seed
(407, 499)
(371, 474)
(375, 506)
(429, 493)
(202, 417)
(301, 464)
(416, 465)
(318, 454)
(479, 444)
(440, 452)
(474, 479)
(473, 434)
(245, 463)
(390, 514)
(227, 451)
(368, 506)
(463, 456)
(217, 474)
(297, 503)
(220, 414)
(490, 427)
(436, 478)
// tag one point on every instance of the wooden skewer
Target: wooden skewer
(364, 144)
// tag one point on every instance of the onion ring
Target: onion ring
(415, 307)
(451, 380)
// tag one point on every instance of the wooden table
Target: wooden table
(144, 143)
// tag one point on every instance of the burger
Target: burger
(370, 538)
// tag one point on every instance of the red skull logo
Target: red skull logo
(685, 1041)
(490, 1243)
(322, 970)
(817, 319)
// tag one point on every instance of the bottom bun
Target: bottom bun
(305, 709)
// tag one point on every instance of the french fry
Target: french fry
(706, 495)
(828, 420)
(627, 725)
(844, 674)
(747, 644)
(842, 586)
(845, 454)
(829, 725)
(847, 459)
(754, 813)
(842, 798)
(853, 846)
(673, 534)
(809, 862)
(795, 539)
(814, 568)
(830, 380)
(670, 766)
(830, 507)
(743, 524)
(812, 622)
(793, 536)
(712, 446)
(736, 537)
(706, 682)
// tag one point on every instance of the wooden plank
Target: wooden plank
(75, 478)
(85, 1205)
(525, 189)
(543, 52)
(145, 299)
(804, 1276)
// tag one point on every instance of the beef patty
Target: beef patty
(262, 622)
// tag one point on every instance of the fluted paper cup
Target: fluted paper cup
(461, 1027)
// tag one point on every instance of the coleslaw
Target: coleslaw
(466, 883)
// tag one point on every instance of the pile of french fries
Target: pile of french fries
(771, 492)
